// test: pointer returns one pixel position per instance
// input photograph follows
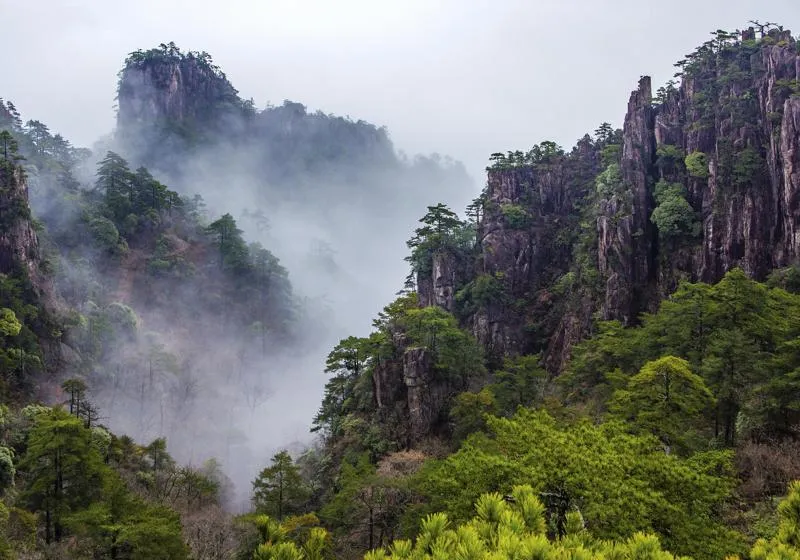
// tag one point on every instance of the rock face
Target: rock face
(19, 245)
(171, 88)
(170, 102)
(439, 286)
(625, 233)
(565, 251)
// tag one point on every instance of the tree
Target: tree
(232, 248)
(442, 230)
(469, 411)
(622, 483)
(76, 389)
(457, 355)
(39, 133)
(114, 180)
(9, 324)
(674, 217)
(367, 506)
(345, 363)
(786, 542)
(8, 146)
(511, 527)
(610, 182)
(666, 399)
(63, 470)
(279, 490)
(520, 382)
(697, 165)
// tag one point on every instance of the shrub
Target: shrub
(697, 165)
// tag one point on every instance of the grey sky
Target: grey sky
(461, 77)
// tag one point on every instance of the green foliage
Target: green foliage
(640, 489)
(279, 490)
(345, 363)
(786, 88)
(106, 234)
(673, 216)
(786, 543)
(785, 278)
(520, 382)
(233, 253)
(278, 542)
(7, 469)
(62, 469)
(456, 353)
(697, 165)
(611, 154)
(609, 182)
(541, 154)
(748, 167)
(9, 325)
(664, 92)
(483, 291)
(669, 157)
(738, 335)
(469, 411)
(367, 505)
(442, 231)
(665, 399)
(516, 216)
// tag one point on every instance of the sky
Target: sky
(458, 77)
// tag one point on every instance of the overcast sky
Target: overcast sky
(459, 77)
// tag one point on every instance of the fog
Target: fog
(462, 79)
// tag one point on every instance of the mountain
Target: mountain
(703, 178)
(601, 360)
(594, 285)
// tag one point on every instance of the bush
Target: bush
(674, 217)
(669, 154)
(609, 182)
(697, 165)
(515, 215)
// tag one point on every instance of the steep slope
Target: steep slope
(29, 346)
(701, 179)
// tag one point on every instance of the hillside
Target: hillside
(579, 280)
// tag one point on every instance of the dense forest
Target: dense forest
(600, 360)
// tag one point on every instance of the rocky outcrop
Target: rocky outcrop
(19, 244)
(439, 286)
(410, 393)
(425, 397)
(171, 103)
(737, 112)
(625, 233)
(790, 157)
(171, 89)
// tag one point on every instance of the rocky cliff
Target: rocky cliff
(170, 101)
(19, 245)
(702, 178)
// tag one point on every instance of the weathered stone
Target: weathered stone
(19, 244)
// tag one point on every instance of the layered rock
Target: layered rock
(625, 233)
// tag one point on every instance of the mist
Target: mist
(181, 367)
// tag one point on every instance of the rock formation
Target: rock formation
(565, 251)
